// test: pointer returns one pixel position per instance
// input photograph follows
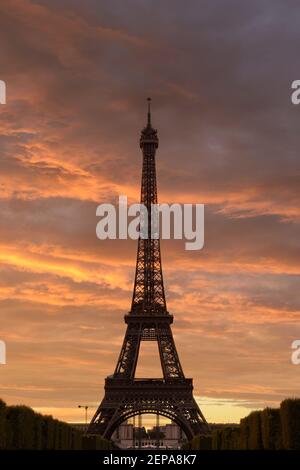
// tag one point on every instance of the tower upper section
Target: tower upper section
(149, 135)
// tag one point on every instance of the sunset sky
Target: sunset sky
(219, 74)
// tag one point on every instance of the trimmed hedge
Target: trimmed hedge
(22, 428)
(290, 423)
(271, 429)
(95, 442)
(255, 439)
(205, 443)
(201, 442)
(226, 438)
(268, 429)
(244, 433)
(236, 437)
(2, 424)
(216, 439)
(230, 438)
(19, 427)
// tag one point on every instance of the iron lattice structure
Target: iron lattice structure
(148, 320)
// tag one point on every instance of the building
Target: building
(169, 436)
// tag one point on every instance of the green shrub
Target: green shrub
(48, 429)
(195, 442)
(235, 438)
(216, 437)
(186, 445)
(20, 427)
(95, 442)
(290, 423)
(200, 442)
(76, 439)
(255, 439)
(38, 420)
(3, 410)
(56, 432)
(205, 442)
(244, 433)
(65, 436)
(226, 438)
(229, 438)
(271, 429)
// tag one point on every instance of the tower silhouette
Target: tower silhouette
(148, 320)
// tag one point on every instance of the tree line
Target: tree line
(270, 429)
(23, 428)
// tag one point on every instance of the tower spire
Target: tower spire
(149, 112)
(148, 135)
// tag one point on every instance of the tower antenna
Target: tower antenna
(149, 111)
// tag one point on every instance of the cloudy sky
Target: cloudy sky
(219, 73)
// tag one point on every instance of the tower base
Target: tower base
(127, 398)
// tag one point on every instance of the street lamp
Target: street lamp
(86, 407)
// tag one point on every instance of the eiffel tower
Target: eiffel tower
(148, 320)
